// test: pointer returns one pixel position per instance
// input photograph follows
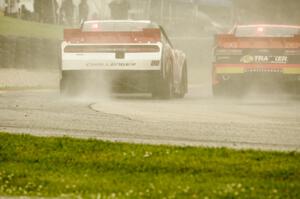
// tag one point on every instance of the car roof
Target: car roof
(119, 21)
(268, 25)
(115, 24)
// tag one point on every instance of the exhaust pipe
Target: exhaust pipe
(225, 77)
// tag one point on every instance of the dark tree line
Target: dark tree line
(45, 11)
(269, 11)
(14, 8)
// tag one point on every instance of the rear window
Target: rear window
(266, 31)
(115, 26)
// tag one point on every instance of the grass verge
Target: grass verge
(16, 27)
(55, 167)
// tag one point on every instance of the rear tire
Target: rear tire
(68, 85)
(167, 88)
(164, 88)
(296, 88)
(218, 90)
(62, 86)
(183, 83)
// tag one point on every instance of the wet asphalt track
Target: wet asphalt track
(268, 122)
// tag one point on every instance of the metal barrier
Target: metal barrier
(29, 53)
(8, 52)
(1, 50)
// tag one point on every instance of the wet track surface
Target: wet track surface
(198, 120)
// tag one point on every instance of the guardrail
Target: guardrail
(29, 53)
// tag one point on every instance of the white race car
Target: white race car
(136, 55)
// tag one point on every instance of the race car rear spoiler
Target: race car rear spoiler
(231, 41)
(149, 35)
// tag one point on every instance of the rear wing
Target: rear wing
(231, 41)
(147, 35)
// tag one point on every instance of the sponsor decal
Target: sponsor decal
(118, 64)
(248, 59)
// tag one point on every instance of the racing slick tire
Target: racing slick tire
(183, 84)
(65, 87)
(164, 88)
(167, 88)
(218, 90)
(68, 85)
(296, 88)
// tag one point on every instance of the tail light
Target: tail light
(230, 45)
(111, 48)
(292, 45)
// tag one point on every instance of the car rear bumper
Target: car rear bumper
(256, 73)
(117, 80)
(257, 68)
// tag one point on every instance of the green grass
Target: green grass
(17, 27)
(53, 167)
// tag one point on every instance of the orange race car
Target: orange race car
(252, 54)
